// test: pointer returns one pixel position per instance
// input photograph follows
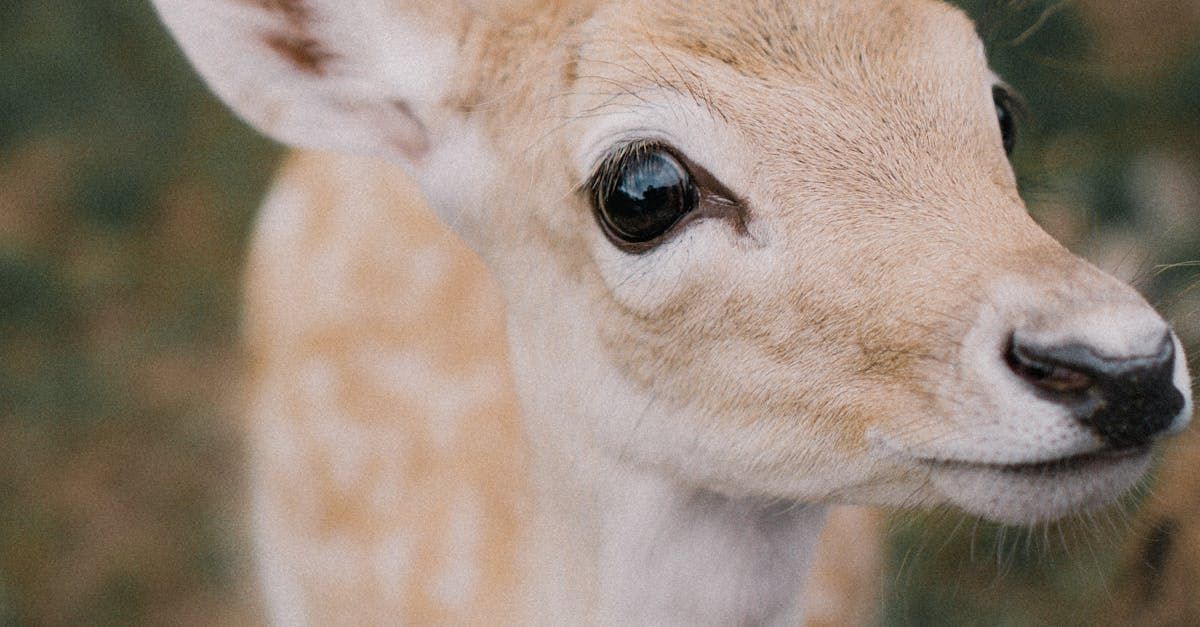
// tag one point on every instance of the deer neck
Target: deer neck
(612, 542)
(621, 541)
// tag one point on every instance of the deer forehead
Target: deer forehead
(788, 76)
(818, 38)
(897, 113)
(895, 116)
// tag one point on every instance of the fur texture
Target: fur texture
(841, 343)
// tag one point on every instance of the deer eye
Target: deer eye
(1005, 113)
(641, 193)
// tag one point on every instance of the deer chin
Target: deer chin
(1029, 493)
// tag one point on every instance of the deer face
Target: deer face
(769, 248)
(800, 267)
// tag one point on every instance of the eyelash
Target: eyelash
(712, 199)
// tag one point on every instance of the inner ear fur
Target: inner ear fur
(359, 76)
(405, 80)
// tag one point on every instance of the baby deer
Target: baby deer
(758, 257)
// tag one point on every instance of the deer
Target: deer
(694, 276)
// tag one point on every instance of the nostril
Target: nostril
(1125, 400)
(1046, 369)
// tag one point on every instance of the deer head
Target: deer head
(766, 248)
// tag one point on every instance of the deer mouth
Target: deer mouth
(1068, 464)
(1030, 492)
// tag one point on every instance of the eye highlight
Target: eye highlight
(640, 193)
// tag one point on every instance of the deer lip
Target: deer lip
(1083, 461)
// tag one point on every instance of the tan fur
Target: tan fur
(454, 323)
(837, 336)
(371, 228)
(844, 586)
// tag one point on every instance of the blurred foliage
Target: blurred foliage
(126, 195)
(126, 192)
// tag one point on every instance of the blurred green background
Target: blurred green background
(126, 198)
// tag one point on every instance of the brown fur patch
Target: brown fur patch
(304, 52)
(295, 41)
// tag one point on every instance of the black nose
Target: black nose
(1127, 401)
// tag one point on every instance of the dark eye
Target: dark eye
(1008, 122)
(641, 193)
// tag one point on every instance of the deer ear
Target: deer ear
(360, 76)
